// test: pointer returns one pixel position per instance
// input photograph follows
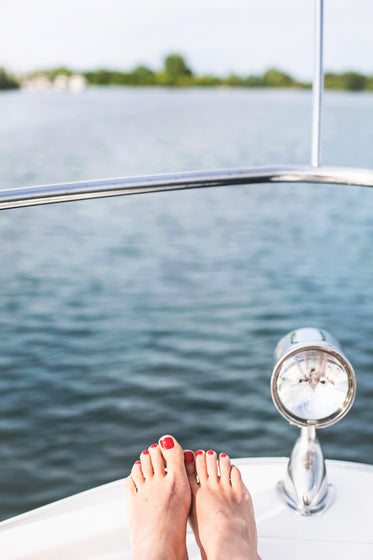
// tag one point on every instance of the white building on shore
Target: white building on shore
(75, 83)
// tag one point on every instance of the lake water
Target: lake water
(126, 318)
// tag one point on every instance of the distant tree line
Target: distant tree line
(177, 73)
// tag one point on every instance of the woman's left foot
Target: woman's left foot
(222, 515)
(158, 500)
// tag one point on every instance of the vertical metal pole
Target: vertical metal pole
(318, 84)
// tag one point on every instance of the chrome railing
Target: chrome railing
(64, 192)
(317, 84)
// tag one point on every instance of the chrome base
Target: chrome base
(318, 507)
(305, 488)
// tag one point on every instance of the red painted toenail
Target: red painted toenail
(167, 443)
(223, 455)
(210, 452)
(199, 452)
(188, 457)
(154, 445)
(138, 463)
(145, 452)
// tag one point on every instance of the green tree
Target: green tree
(253, 81)
(176, 69)
(6, 81)
(276, 78)
(352, 81)
(331, 81)
(100, 77)
(143, 76)
(369, 83)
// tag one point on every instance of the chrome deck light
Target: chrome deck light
(313, 386)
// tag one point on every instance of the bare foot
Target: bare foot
(222, 515)
(158, 502)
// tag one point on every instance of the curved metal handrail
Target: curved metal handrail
(64, 192)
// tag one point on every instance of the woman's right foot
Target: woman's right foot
(158, 500)
(222, 515)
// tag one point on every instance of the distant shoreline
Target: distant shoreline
(176, 73)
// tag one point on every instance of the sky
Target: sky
(215, 36)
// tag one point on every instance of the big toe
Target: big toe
(172, 453)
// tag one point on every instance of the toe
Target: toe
(212, 465)
(190, 469)
(146, 464)
(189, 460)
(236, 479)
(157, 460)
(172, 454)
(137, 475)
(201, 469)
(130, 485)
(225, 468)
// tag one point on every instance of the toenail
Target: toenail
(138, 463)
(167, 443)
(153, 445)
(210, 452)
(145, 452)
(188, 457)
(223, 455)
(199, 452)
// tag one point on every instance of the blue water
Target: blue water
(123, 319)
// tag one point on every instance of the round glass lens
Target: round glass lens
(312, 385)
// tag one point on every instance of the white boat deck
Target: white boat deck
(93, 525)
